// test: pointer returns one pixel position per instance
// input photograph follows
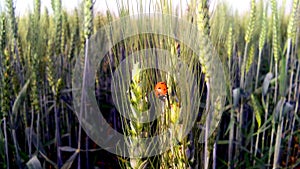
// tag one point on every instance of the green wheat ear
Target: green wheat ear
(34, 83)
(263, 33)
(275, 26)
(251, 24)
(250, 58)
(88, 18)
(229, 42)
(75, 37)
(50, 66)
(64, 32)
(58, 25)
(71, 52)
(6, 93)
(37, 9)
(12, 26)
(2, 34)
(88, 26)
(203, 26)
(203, 17)
(46, 24)
(14, 42)
(58, 86)
(292, 26)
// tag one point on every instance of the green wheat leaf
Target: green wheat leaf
(20, 98)
(257, 109)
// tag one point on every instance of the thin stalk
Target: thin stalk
(266, 107)
(215, 155)
(87, 152)
(292, 73)
(297, 82)
(256, 148)
(241, 114)
(207, 128)
(276, 82)
(69, 128)
(237, 138)
(271, 142)
(231, 138)
(258, 68)
(232, 119)
(30, 133)
(252, 138)
(18, 159)
(83, 97)
(292, 127)
(57, 135)
(298, 67)
(278, 140)
(243, 66)
(37, 131)
(6, 143)
(43, 125)
(47, 121)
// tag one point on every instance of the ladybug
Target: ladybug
(161, 90)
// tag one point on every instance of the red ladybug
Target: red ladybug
(161, 90)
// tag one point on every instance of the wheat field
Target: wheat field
(255, 125)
